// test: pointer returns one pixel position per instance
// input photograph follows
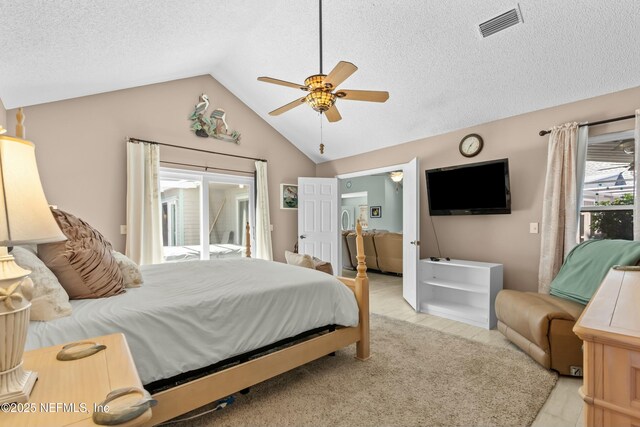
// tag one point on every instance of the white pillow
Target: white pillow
(129, 269)
(299, 259)
(50, 300)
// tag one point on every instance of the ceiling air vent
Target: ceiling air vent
(501, 22)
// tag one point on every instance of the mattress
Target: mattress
(196, 313)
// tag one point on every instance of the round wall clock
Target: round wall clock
(471, 145)
(348, 184)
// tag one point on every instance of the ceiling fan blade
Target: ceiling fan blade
(630, 166)
(333, 115)
(287, 107)
(281, 83)
(340, 73)
(363, 95)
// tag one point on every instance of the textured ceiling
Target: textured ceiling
(429, 55)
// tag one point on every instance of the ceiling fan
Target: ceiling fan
(628, 147)
(322, 88)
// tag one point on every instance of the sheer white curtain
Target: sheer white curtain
(636, 196)
(264, 249)
(144, 216)
(560, 203)
(581, 164)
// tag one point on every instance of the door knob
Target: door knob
(415, 242)
(303, 236)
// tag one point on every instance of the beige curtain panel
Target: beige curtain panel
(264, 249)
(559, 209)
(144, 216)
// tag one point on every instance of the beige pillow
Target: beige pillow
(129, 269)
(49, 301)
(299, 259)
(83, 264)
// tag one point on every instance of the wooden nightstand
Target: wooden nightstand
(66, 392)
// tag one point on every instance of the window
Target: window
(169, 228)
(608, 188)
(204, 215)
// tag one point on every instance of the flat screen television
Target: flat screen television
(471, 189)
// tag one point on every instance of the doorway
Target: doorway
(399, 227)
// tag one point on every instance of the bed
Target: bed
(197, 314)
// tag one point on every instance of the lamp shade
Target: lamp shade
(25, 216)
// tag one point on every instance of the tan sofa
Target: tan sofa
(389, 252)
(382, 250)
(542, 326)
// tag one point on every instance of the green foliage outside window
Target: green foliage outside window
(613, 224)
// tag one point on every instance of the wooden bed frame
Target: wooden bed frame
(199, 392)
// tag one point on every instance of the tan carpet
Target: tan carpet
(417, 376)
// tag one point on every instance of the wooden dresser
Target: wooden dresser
(610, 329)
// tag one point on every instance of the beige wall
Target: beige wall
(82, 159)
(495, 238)
(3, 116)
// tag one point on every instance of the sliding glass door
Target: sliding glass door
(204, 215)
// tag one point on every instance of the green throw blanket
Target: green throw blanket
(588, 263)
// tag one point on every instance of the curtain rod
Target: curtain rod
(195, 149)
(206, 168)
(601, 122)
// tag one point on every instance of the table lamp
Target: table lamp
(24, 218)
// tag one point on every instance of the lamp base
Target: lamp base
(18, 385)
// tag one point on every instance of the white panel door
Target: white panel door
(410, 231)
(318, 227)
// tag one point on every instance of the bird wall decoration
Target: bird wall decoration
(214, 126)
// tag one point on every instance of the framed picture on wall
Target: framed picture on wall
(375, 212)
(288, 196)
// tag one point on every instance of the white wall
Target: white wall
(3, 115)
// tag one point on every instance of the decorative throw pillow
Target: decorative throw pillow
(83, 264)
(49, 300)
(129, 269)
(323, 266)
(299, 259)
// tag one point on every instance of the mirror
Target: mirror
(345, 220)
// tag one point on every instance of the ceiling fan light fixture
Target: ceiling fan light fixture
(315, 82)
(320, 100)
(396, 176)
(320, 87)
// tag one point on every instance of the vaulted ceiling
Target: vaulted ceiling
(441, 74)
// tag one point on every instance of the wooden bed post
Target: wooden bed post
(247, 251)
(363, 350)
